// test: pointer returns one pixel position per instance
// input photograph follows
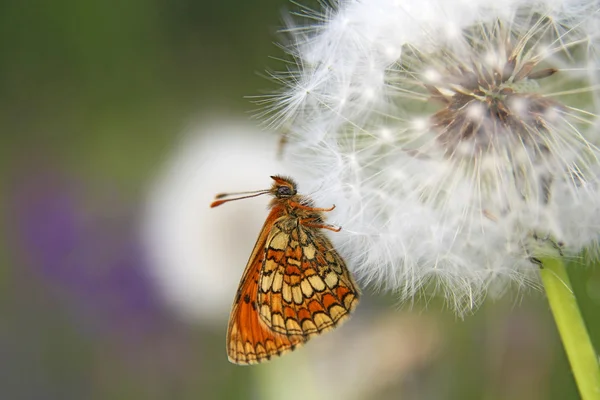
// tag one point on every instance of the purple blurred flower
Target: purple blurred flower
(87, 251)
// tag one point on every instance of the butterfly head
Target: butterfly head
(283, 187)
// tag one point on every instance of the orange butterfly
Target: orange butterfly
(295, 284)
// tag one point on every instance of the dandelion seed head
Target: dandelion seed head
(451, 136)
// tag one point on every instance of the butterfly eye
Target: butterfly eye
(284, 191)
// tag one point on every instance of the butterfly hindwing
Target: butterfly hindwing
(304, 286)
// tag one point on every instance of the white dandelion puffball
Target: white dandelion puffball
(451, 135)
(198, 254)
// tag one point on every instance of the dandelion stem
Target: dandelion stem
(571, 328)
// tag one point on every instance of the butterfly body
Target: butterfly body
(295, 285)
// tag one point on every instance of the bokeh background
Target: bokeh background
(97, 98)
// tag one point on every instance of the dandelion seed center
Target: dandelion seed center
(488, 98)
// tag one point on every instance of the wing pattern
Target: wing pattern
(250, 341)
(304, 287)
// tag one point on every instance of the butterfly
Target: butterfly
(295, 285)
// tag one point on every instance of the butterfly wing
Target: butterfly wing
(304, 286)
(249, 339)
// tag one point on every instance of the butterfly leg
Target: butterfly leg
(313, 223)
(303, 207)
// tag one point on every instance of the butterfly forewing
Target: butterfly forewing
(304, 286)
(249, 339)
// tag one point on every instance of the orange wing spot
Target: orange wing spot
(295, 252)
(342, 291)
(328, 300)
(307, 268)
(289, 312)
(293, 280)
(275, 255)
(315, 307)
(292, 275)
(276, 303)
(303, 314)
(293, 270)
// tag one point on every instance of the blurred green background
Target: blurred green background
(93, 96)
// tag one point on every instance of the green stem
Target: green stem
(571, 328)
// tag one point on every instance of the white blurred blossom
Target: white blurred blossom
(197, 254)
(451, 135)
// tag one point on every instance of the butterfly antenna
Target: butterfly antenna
(249, 195)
